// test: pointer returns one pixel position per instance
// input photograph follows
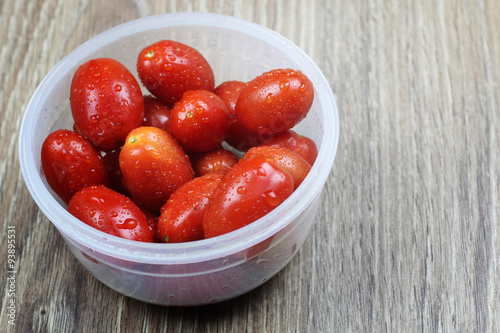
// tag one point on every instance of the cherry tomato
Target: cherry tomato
(287, 159)
(253, 188)
(156, 113)
(70, 162)
(199, 121)
(106, 102)
(229, 91)
(110, 212)
(153, 166)
(274, 101)
(300, 144)
(240, 138)
(168, 69)
(181, 216)
(217, 161)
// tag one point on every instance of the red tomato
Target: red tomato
(168, 69)
(156, 113)
(153, 166)
(217, 161)
(199, 121)
(253, 188)
(274, 101)
(229, 92)
(111, 212)
(240, 138)
(287, 159)
(106, 102)
(70, 163)
(300, 144)
(111, 161)
(181, 216)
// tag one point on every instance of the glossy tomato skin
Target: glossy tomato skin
(153, 166)
(275, 101)
(253, 188)
(287, 159)
(156, 113)
(199, 121)
(106, 102)
(168, 69)
(217, 161)
(240, 138)
(300, 144)
(181, 217)
(70, 162)
(110, 212)
(229, 91)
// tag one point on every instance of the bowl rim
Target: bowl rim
(206, 249)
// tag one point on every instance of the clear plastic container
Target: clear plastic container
(210, 270)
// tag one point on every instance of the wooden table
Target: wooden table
(408, 233)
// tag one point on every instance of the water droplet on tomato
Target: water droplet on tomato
(94, 119)
(92, 212)
(261, 172)
(241, 190)
(114, 214)
(271, 198)
(302, 86)
(284, 86)
(172, 57)
(117, 88)
(90, 86)
(127, 224)
(269, 98)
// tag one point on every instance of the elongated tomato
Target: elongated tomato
(153, 166)
(274, 101)
(110, 212)
(253, 188)
(106, 102)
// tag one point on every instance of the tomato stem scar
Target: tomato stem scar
(150, 54)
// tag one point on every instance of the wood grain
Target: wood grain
(407, 236)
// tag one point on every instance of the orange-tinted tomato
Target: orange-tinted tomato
(153, 166)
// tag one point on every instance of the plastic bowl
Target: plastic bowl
(210, 270)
